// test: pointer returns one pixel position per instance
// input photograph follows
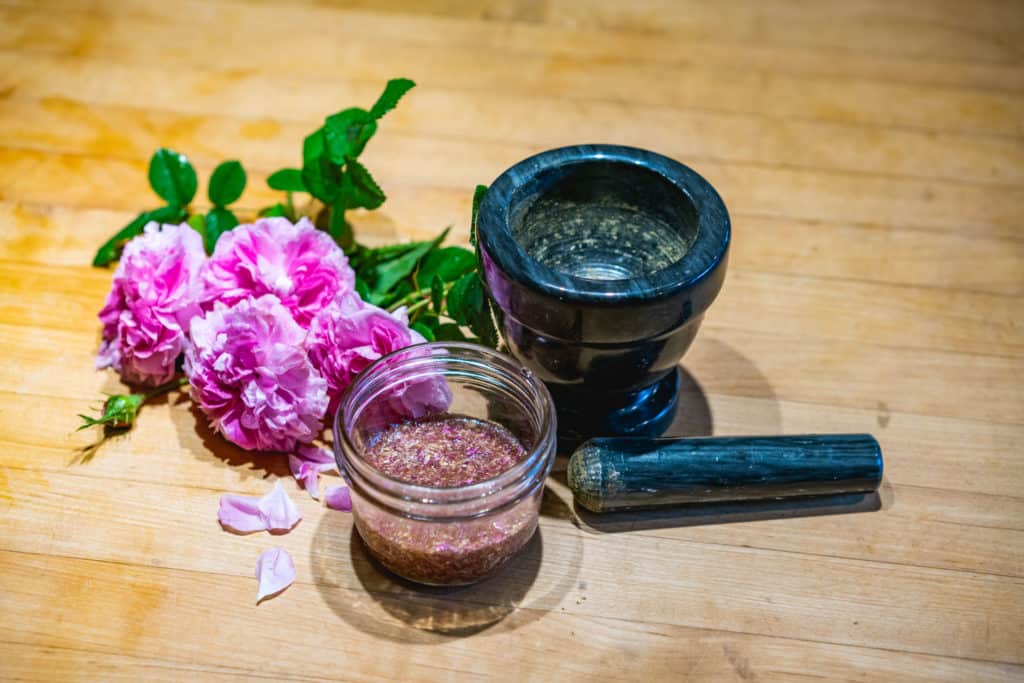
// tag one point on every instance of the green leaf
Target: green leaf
(478, 196)
(465, 299)
(467, 305)
(226, 183)
(450, 263)
(425, 331)
(449, 332)
(313, 146)
(321, 177)
(393, 92)
(437, 293)
(197, 222)
(483, 327)
(362, 289)
(393, 296)
(287, 180)
(347, 132)
(218, 222)
(359, 189)
(173, 177)
(111, 249)
(391, 272)
(429, 320)
(275, 210)
(339, 228)
(390, 251)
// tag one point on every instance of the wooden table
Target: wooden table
(872, 157)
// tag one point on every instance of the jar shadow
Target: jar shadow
(369, 597)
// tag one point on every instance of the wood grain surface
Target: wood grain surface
(872, 156)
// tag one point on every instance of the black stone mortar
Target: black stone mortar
(603, 260)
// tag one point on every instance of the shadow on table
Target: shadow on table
(193, 426)
(693, 412)
(700, 514)
(369, 597)
(83, 455)
(694, 419)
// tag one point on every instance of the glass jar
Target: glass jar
(445, 536)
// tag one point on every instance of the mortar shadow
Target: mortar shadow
(694, 418)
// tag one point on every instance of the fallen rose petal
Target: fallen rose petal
(307, 464)
(338, 498)
(306, 473)
(275, 571)
(241, 514)
(246, 514)
(278, 510)
(320, 456)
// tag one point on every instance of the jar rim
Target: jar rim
(438, 498)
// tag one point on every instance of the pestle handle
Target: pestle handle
(618, 473)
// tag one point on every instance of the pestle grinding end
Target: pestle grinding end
(586, 476)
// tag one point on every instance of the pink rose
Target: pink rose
(251, 376)
(297, 263)
(347, 336)
(155, 294)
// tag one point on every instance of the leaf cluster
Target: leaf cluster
(331, 171)
(174, 179)
(439, 287)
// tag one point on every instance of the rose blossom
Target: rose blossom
(297, 263)
(348, 335)
(252, 378)
(154, 296)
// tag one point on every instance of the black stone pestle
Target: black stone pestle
(621, 473)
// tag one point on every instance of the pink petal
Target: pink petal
(306, 474)
(320, 456)
(307, 464)
(240, 514)
(246, 514)
(278, 511)
(275, 571)
(338, 498)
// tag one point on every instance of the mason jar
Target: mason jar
(445, 535)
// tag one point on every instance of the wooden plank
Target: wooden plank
(882, 253)
(872, 27)
(871, 154)
(827, 250)
(632, 86)
(57, 123)
(848, 602)
(952, 531)
(778, 193)
(352, 641)
(921, 451)
(40, 233)
(804, 307)
(19, 662)
(516, 39)
(834, 372)
(742, 363)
